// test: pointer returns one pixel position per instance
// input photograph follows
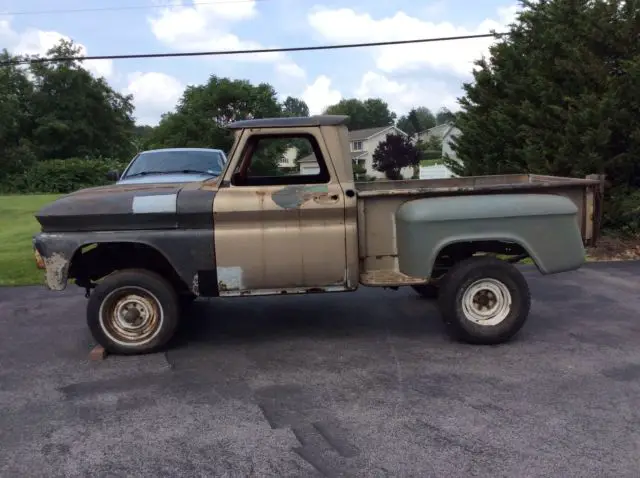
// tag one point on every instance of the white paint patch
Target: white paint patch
(155, 204)
(230, 278)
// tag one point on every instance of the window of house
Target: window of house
(263, 161)
(356, 146)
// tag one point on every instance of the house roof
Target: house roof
(361, 134)
(310, 158)
(440, 131)
(296, 122)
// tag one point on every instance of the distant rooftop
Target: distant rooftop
(361, 134)
(439, 131)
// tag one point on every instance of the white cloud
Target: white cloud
(290, 69)
(319, 95)
(153, 93)
(206, 27)
(347, 25)
(402, 97)
(37, 42)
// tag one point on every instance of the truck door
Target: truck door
(279, 218)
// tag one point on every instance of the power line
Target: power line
(245, 52)
(132, 7)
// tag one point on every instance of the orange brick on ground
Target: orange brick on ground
(97, 353)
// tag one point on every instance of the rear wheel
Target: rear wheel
(133, 312)
(484, 300)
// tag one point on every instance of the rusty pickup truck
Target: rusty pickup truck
(143, 252)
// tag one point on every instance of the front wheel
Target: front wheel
(484, 300)
(133, 312)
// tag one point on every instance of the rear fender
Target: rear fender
(544, 225)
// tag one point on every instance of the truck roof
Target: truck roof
(295, 122)
(160, 150)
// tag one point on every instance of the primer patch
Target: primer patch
(229, 278)
(155, 204)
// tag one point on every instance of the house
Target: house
(446, 133)
(288, 160)
(362, 144)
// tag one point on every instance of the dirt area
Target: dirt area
(611, 248)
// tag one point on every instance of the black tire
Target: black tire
(427, 291)
(498, 278)
(151, 294)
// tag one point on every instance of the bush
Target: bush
(60, 176)
(622, 211)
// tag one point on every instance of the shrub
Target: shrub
(622, 211)
(61, 176)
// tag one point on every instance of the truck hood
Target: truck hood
(114, 207)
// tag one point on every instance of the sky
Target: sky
(404, 76)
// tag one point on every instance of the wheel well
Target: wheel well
(457, 251)
(92, 262)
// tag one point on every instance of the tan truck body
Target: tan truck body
(321, 239)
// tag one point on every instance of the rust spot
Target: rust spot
(56, 266)
(195, 285)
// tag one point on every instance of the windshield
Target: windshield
(166, 162)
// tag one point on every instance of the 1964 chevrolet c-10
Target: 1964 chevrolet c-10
(143, 251)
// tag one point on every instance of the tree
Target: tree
(58, 111)
(294, 107)
(141, 136)
(394, 154)
(417, 120)
(369, 113)
(16, 120)
(444, 115)
(297, 107)
(75, 114)
(430, 150)
(559, 95)
(203, 111)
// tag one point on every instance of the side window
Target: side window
(270, 160)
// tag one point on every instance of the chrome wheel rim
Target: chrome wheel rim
(486, 302)
(131, 316)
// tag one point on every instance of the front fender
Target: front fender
(190, 252)
(545, 225)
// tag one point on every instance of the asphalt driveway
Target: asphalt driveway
(362, 384)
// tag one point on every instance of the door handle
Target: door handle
(327, 199)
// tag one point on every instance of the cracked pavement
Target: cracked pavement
(363, 384)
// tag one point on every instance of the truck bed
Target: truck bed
(379, 200)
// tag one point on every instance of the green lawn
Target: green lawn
(17, 226)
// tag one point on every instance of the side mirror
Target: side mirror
(113, 175)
